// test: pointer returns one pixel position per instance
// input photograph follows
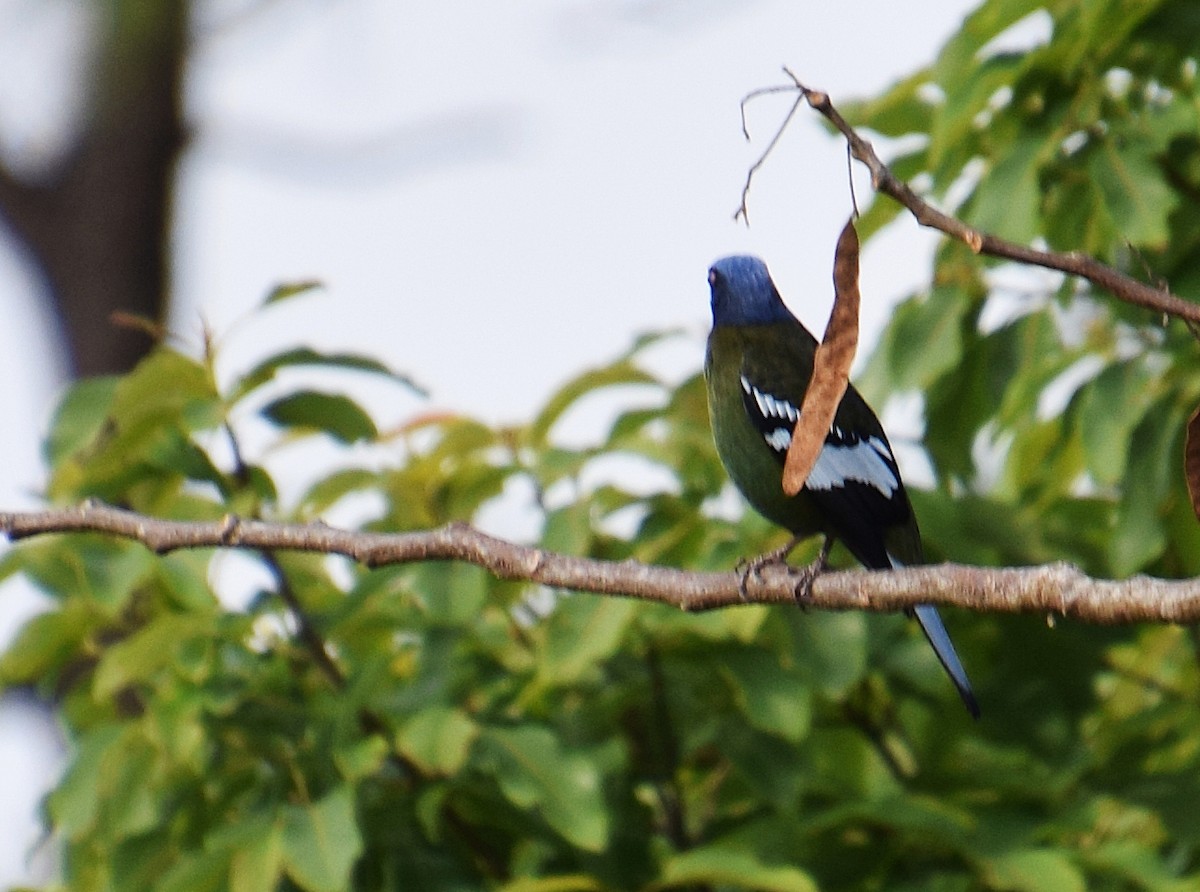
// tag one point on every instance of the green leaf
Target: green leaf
(197, 872)
(257, 860)
(1152, 467)
(569, 529)
(923, 341)
(266, 370)
(732, 868)
(165, 386)
(831, 649)
(1075, 218)
(45, 643)
(100, 569)
(438, 739)
(956, 123)
(771, 696)
(582, 632)
(287, 290)
(974, 529)
(1007, 201)
(257, 489)
(451, 595)
(153, 410)
(565, 883)
(1102, 28)
(185, 574)
(536, 772)
(139, 657)
(900, 111)
(75, 803)
(1136, 197)
(1136, 862)
(79, 417)
(173, 451)
(1110, 407)
(108, 792)
(329, 490)
(362, 758)
(1036, 870)
(321, 842)
(921, 816)
(620, 373)
(1009, 369)
(130, 801)
(334, 414)
(847, 766)
(959, 57)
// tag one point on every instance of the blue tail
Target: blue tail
(931, 625)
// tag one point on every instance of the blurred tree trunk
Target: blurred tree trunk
(97, 226)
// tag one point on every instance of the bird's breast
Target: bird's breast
(752, 465)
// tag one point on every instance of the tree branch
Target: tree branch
(1058, 588)
(1121, 286)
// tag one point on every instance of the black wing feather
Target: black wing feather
(859, 509)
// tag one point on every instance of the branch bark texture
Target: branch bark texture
(1059, 589)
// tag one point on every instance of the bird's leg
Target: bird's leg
(753, 567)
(803, 590)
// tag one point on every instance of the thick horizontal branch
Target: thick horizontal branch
(1053, 589)
(1084, 266)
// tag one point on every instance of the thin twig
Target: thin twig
(877, 736)
(1056, 589)
(305, 628)
(666, 755)
(743, 212)
(850, 181)
(1120, 285)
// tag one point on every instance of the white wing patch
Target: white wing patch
(779, 439)
(771, 407)
(843, 460)
(863, 461)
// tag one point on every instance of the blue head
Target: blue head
(743, 293)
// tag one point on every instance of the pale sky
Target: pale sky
(497, 196)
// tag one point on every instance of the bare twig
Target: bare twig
(666, 759)
(900, 768)
(1121, 286)
(743, 211)
(1057, 588)
(305, 627)
(850, 182)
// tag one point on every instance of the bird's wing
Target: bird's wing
(855, 480)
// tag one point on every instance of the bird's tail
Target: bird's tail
(939, 639)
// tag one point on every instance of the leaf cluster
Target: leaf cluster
(480, 733)
(1054, 415)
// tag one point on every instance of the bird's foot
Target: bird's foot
(753, 567)
(802, 590)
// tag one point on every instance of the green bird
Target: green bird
(757, 368)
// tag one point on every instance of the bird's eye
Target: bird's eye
(713, 277)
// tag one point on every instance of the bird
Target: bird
(758, 363)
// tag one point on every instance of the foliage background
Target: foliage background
(314, 148)
(482, 734)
